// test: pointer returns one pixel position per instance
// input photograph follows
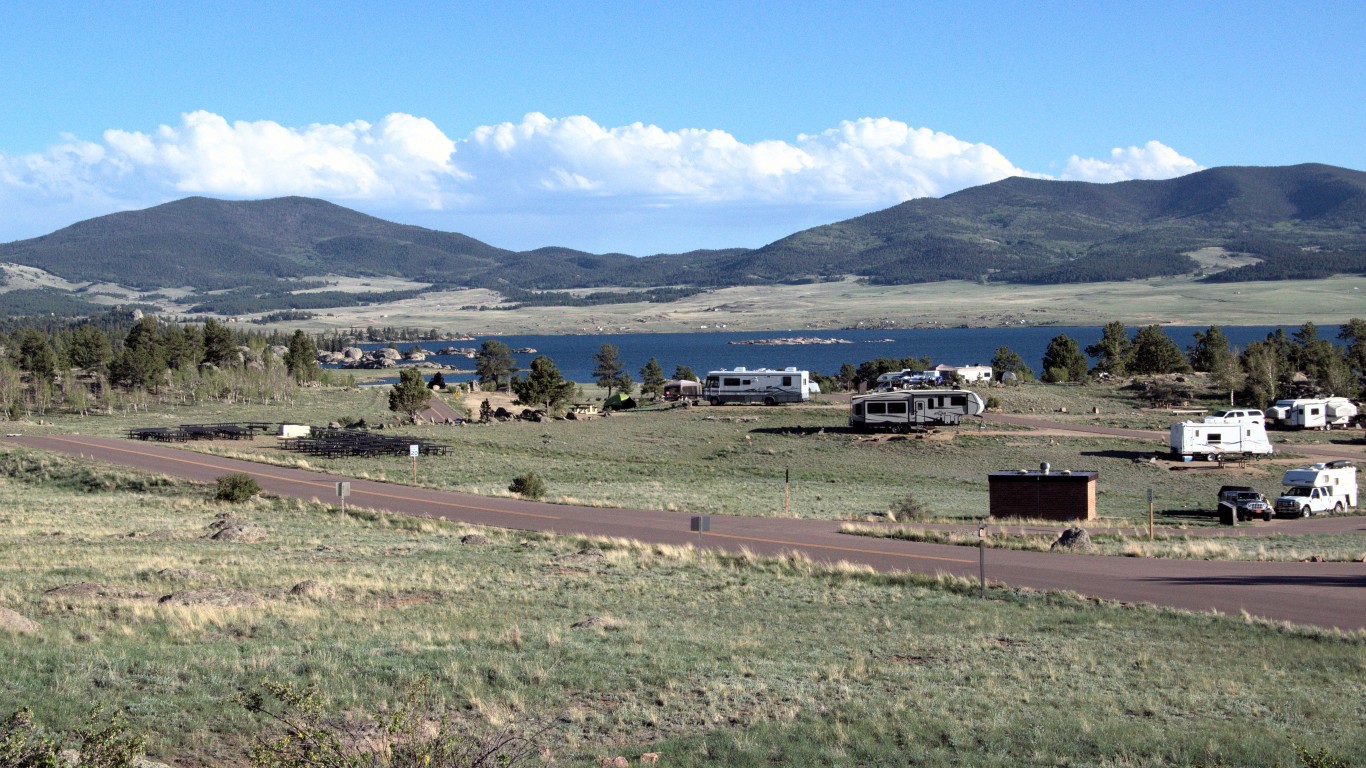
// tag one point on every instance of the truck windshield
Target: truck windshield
(1298, 492)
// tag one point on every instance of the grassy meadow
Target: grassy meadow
(706, 660)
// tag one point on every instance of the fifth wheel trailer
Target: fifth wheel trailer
(906, 408)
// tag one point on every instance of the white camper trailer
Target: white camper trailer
(1220, 436)
(1330, 487)
(900, 410)
(1312, 413)
(758, 386)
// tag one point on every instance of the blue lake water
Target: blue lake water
(713, 351)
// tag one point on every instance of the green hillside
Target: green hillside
(1299, 221)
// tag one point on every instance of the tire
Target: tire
(714, 400)
(1304, 511)
(1338, 508)
(1269, 515)
(770, 401)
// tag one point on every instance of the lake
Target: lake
(713, 351)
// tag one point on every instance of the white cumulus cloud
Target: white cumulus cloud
(542, 169)
(1153, 160)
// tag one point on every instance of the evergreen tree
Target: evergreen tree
(220, 348)
(437, 381)
(142, 362)
(1155, 352)
(88, 349)
(544, 385)
(1112, 350)
(302, 358)
(410, 394)
(847, 376)
(495, 363)
(35, 355)
(1354, 333)
(609, 371)
(1211, 351)
(1063, 360)
(1007, 360)
(652, 379)
(684, 373)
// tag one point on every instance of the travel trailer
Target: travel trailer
(1330, 487)
(1319, 413)
(1221, 435)
(900, 410)
(758, 386)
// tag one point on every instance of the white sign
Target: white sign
(413, 450)
(343, 490)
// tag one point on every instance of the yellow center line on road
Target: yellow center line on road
(377, 494)
(854, 550)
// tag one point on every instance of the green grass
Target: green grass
(1345, 548)
(709, 660)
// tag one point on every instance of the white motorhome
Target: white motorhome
(1223, 434)
(1312, 413)
(763, 385)
(900, 410)
(1330, 487)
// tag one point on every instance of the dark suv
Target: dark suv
(1246, 502)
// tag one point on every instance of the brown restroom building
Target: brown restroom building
(1044, 494)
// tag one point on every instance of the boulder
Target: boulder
(386, 353)
(313, 590)
(474, 538)
(239, 531)
(17, 624)
(352, 353)
(1073, 540)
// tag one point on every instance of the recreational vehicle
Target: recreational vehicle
(1320, 413)
(758, 386)
(1220, 436)
(901, 410)
(1330, 487)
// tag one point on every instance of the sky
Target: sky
(650, 127)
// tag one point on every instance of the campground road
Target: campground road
(1321, 594)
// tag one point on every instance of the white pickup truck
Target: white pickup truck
(1330, 487)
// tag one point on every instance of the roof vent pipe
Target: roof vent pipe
(1043, 468)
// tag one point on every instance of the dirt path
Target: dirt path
(1322, 594)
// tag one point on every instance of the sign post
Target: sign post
(701, 524)
(343, 490)
(414, 450)
(982, 556)
(1150, 514)
(787, 491)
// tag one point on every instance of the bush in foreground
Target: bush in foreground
(529, 485)
(236, 488)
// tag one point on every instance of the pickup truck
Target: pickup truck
(1247, 502)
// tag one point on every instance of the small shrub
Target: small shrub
(529, 485)
(236, 488)
(993, 402)
(911, 508)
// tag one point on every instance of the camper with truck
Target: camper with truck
(1227, 434)
(762, 385)
(1330, 487)
(902, 410)
(1312, 413)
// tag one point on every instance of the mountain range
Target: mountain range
(1295, 221)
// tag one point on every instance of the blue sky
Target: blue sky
(650, 127)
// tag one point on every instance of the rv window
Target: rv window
(958, 401)
(1313, 411)
(858, 409)
(896, 407)
(876, 408)
(745, 382)
(732, 382)
(1215, 437)
(787, 381)
(712, 381)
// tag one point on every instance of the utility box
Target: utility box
(1043, 494)
(295, 430)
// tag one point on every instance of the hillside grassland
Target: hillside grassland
(733, 460)
(850, 303)
(705, 659)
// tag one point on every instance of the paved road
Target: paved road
(1323, 594)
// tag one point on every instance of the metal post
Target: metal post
(787, 491)
(1150, 514)
(982, 557)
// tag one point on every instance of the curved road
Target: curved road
(1323, 594)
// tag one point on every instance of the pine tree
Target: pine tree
(495, 363)
(684, 373)
(1155, 352)
(610, 373)
(1112, 350)
(410, 394)
(1063, 360)
(545, 385)
(302, 358)
(652, 379)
